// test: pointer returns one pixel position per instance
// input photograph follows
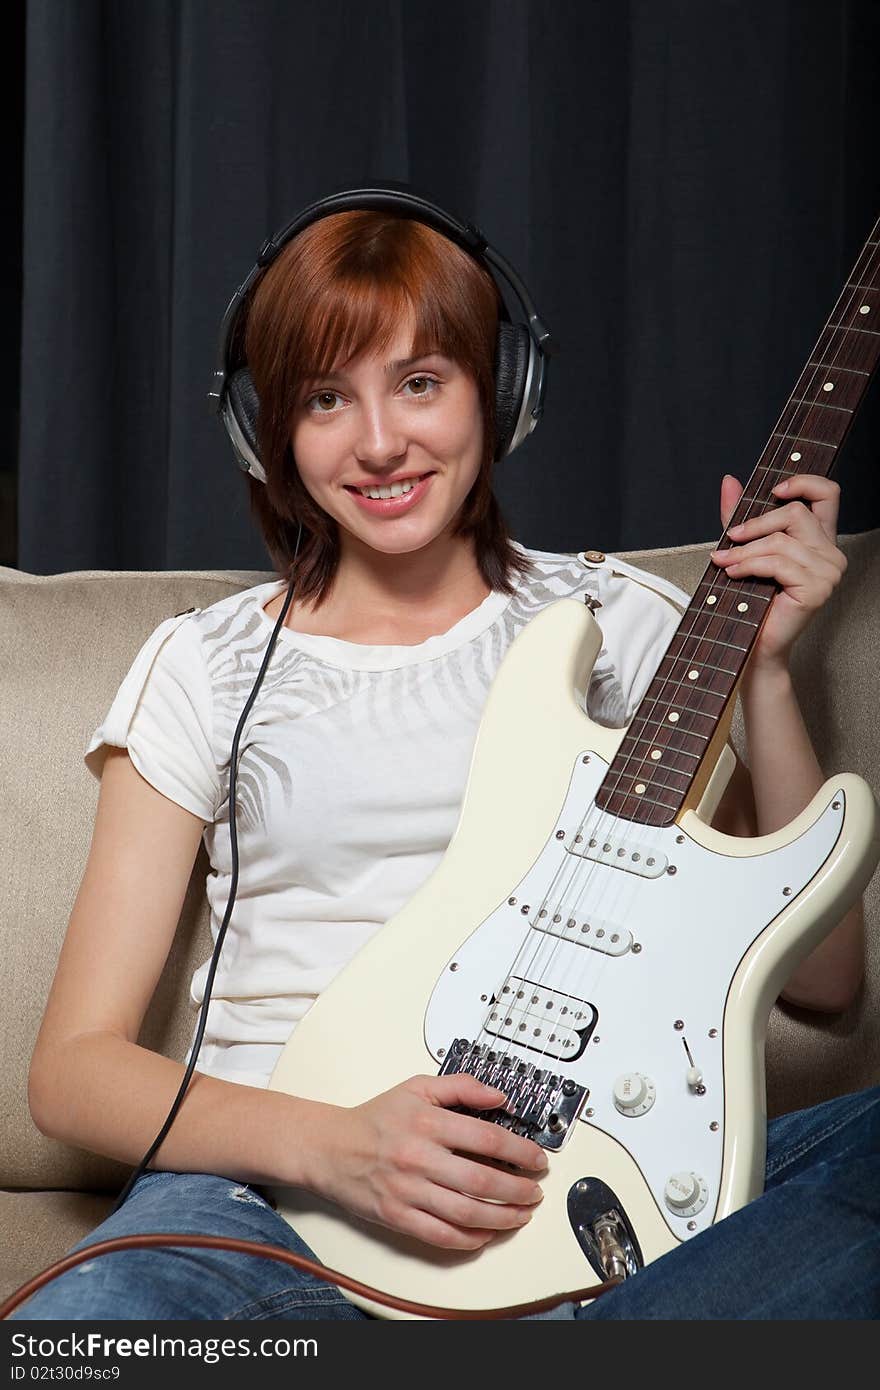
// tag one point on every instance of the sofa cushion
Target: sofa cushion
(37, 1228)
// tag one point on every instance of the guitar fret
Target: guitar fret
(667, 657)
(681, 709)
(852, 329)
(728, 618)
(643, 796)
(851, 285)
(664, 724)
(744, 498)
(853, 371)
(713, 584)
(686, 709)
(649, 772)
(700, 689)
(803, 439)
(717, 642)
(704, 636)
(823, 405)
(665, 747)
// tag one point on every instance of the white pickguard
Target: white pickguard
(692, 926)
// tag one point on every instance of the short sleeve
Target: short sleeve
(639, 615)
(162, 713)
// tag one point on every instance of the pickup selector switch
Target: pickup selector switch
(685, 1194)
(634, 1093)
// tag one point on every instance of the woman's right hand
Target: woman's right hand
(406, 1161)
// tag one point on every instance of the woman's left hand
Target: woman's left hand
(794, 544)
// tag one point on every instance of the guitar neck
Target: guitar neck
(663, 750)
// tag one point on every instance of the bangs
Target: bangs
(347, 320)
(346, 283)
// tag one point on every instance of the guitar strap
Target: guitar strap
(612, 564)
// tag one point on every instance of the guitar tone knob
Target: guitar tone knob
(685, 1193)
(633, 1093)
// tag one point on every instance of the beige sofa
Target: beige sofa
(66, 641)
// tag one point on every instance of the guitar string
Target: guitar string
(578, 867)
(503, 1046)
(668, 681)
(597, 961)
(645, 835)
(530, 973)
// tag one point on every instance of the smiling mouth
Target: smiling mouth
(385, 491)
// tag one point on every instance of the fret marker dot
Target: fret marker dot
(742, 608)
(655, 753)
(865, 309)
(692, 675)
(829, 386)
(794, 457)
(713, 598)
(640, 787)
(673, 718)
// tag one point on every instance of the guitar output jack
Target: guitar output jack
(602, 1229)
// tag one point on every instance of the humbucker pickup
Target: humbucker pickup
(541, 1019)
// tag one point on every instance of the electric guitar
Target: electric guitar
(589, 943)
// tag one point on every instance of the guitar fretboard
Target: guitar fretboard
(670, 732)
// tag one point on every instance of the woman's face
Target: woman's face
(387, 418)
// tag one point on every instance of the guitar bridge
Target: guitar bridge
(541, 1104)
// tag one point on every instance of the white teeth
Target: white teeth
(395, 490)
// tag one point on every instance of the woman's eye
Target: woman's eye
(426, 381)
(323, 396)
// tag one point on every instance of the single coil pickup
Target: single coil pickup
(634, 858)
(540, 1103)
(541, 1020)
(598, 934)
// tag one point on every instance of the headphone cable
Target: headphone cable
(221, 935)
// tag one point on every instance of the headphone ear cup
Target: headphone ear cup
(246, 405)
(512, 353)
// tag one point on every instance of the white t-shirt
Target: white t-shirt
(352, 768)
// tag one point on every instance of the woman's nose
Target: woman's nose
(379, 434)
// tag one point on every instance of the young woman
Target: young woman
(370, 341)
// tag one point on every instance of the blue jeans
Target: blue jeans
(808, 1247)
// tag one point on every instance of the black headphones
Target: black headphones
(521, 350)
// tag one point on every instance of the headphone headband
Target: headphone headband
(521, 356)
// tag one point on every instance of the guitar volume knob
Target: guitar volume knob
(685, 1193)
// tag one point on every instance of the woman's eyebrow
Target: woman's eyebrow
(390, 367)
(393, 367)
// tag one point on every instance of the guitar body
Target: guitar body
(640, 971)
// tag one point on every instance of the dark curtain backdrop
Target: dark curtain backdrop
(683, 186)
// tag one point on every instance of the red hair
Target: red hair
(342, 285)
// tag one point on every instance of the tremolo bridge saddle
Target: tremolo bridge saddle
(540, 1104)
